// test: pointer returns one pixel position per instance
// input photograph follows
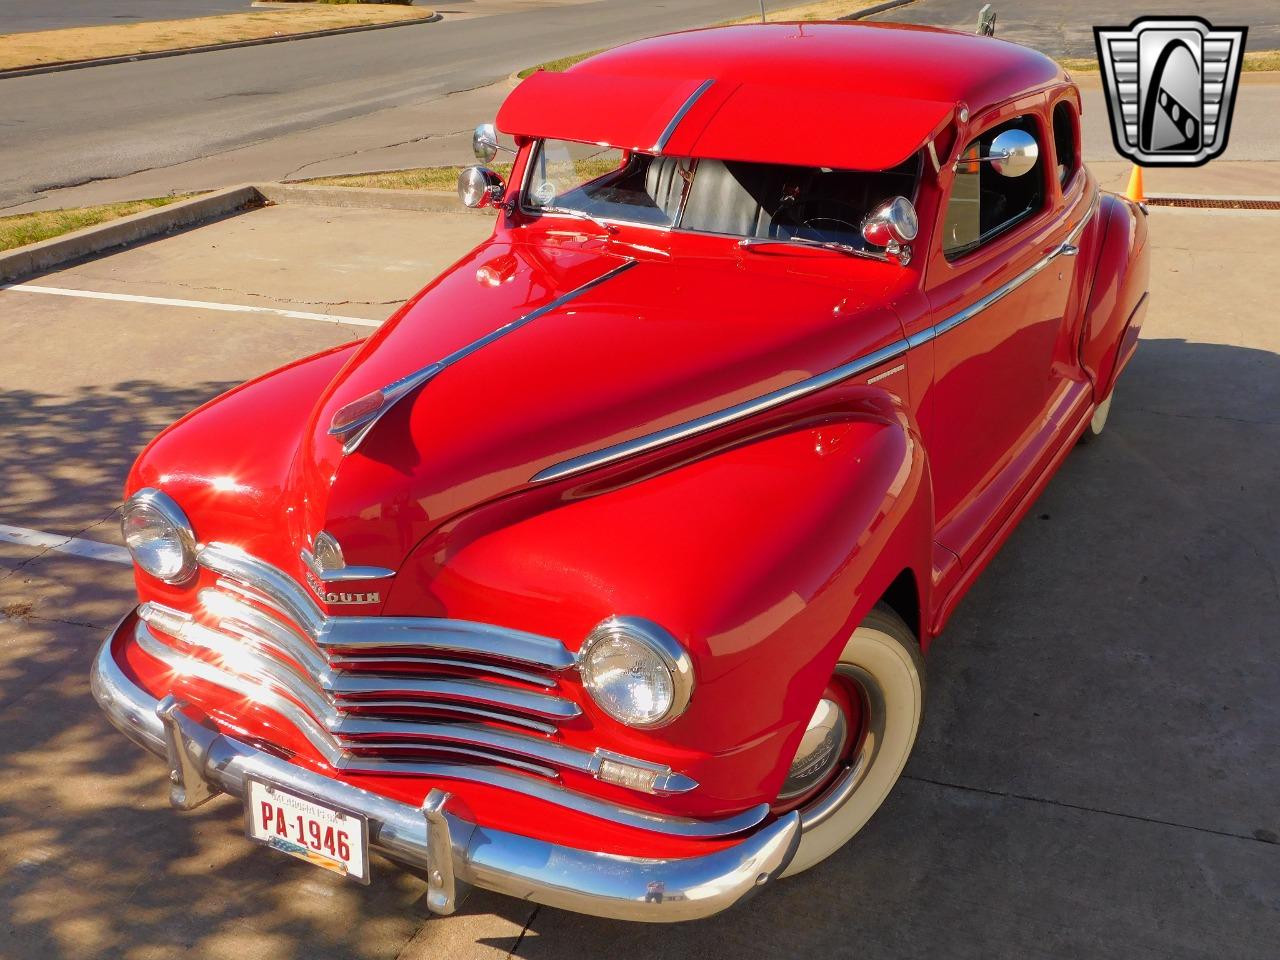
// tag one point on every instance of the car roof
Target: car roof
(855, 95)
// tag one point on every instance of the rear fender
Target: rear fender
(760, 558)
(1114, 312)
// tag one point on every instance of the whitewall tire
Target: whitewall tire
(882, 669)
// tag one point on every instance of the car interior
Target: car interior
(741, 199)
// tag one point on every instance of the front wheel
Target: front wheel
(859, 737)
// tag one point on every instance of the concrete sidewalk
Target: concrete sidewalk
(1095, 776)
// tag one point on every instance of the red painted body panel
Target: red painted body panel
(759, 545)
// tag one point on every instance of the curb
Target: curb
(36, 257)
(874, 9)
(208, 48)
(366, 198)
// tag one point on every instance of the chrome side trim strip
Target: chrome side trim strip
(679, 115)
(802, 388)
(740, 411)
(394, 392)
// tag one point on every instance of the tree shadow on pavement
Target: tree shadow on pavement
(94, 862)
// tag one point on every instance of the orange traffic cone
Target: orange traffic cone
(1134, 192)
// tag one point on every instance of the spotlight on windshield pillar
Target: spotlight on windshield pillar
(480, 186)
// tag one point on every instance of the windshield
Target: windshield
(759, 200)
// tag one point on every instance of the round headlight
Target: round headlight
(158, 535)
(636, 672)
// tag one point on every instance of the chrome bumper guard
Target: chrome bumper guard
(453, 851)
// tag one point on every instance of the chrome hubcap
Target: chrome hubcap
(819, 750)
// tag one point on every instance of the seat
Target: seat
(724, 199)
(665, 185)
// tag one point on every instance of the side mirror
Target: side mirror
(484, 142)
(892, 225)
(1013, 153)
(480, 187)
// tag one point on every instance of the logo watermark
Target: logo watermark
(1171, 84)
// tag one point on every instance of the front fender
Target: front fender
(1113, 315)
(760, 558)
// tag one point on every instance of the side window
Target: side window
(983, 204)
(1064, 141)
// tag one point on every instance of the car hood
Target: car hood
(647, 342)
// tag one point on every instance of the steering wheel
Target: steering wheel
(793, 214)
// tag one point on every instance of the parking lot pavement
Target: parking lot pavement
(1095, 777)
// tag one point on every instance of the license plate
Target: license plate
(308, 829)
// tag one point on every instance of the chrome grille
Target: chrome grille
(378, 694)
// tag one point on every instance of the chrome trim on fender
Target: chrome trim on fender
(740, 411)
(803, 388)
(393, 392)
(670, 129)
(132, 711)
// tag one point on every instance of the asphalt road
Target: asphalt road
(408, 96)
(68, 128)
(1067, 29)
(22, 16)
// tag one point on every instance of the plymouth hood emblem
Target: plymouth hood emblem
(326, 566)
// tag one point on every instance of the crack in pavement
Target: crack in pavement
(46, 189)
(1208, 416)
(1085, 808)
(49, 549)
(382, 146)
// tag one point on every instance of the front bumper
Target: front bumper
(453, 851)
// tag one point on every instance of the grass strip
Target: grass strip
(24, 228)
(44, 47)
(422, 178)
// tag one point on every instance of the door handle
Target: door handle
(1067, 249)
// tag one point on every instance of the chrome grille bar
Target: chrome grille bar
(348, 689)
(375, 662)
(365, 690)
(339, 736)
(269, 586)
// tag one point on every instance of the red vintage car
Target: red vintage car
(601, 574)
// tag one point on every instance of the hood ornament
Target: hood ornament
(326, 565)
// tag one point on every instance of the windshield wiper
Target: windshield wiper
(580, 215)
(751, 243)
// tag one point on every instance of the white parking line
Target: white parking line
(194, 304)
(73, 545)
